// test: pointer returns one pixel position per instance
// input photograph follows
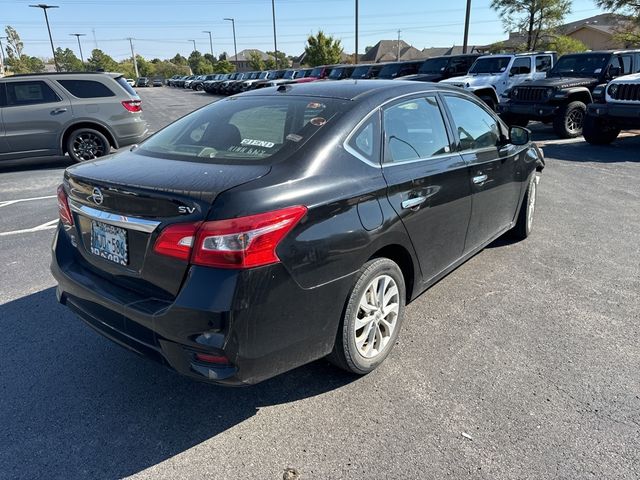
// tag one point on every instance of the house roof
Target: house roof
(606, 22)
(443, 51)
(387, 51)
(245, 55)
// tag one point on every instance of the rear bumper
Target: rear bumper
(260, 319)
(621, 115)
(533, 111)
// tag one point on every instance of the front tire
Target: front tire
(568, 123)
(524, 224)
(87, 144)
(596, 131)
(372, 318)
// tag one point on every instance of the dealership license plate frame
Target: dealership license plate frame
(114, 246)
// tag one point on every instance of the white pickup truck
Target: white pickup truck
(491, 75)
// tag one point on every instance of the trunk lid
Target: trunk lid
(136, 197)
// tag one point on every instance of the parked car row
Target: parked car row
(521, 87)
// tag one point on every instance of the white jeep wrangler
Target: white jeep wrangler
(619, 111)
(491, 75)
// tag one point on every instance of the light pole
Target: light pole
(275, 43)
(466, 28)
(44, 8)
(356, 55)
(210, 44)
(78, 35)
(133, 57)
(194, 45)
(235, 48)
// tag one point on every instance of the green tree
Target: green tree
(126, 68)
(322, 50)
(14, 44)
(145, 68)
(255, 61)
(533, 18)
(563, 44)
(283, 61)
(25, 64)
(628, 33)
(100, 61)
(68, 61)
(225, 66)
(179, 60)
(166, 69)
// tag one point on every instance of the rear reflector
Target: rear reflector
(132, 105)
(243, 242)
(206, 358)
(64, 212)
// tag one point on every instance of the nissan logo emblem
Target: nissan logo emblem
(97, 196)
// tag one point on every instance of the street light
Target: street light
(78, 35)
(210, 43)
(194, 44)
(44, 8)
(355, 60)
(275, 44)
(235, 48)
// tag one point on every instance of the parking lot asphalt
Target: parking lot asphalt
(522, 363)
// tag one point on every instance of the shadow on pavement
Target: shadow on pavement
(43, 163)
(624, 149)
(74, 405)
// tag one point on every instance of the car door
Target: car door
(494, 170)
(428, 183)
(519, 72)
(34, 116)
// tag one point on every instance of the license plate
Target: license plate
(109, 242)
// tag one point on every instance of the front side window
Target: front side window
(86, 88)
(244, 130)
(414, 129)
(475, 126)
(30, 93)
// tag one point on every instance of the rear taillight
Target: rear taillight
(132, 105)
(243, 242)
(176, 240)
(215, 359)
(63, 207)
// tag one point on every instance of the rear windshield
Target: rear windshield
(244, 130)
(123, 83)
(490, 65)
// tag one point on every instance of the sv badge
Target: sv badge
(186, 210)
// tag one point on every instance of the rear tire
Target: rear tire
(87, 144)
(524, 223)
(372, 318)
(597, 131)
(568, 123)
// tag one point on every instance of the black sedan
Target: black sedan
(288, 224)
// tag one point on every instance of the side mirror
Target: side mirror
(614, 72)
(519, 135)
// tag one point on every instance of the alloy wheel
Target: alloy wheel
(377, 315)
(575, 120)
(88, 146)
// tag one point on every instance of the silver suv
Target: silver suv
(82, 114)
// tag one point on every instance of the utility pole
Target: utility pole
(213, 58)
(235, 48)
(95, 39)
(2, 57)
(44, 8)
(275, 44)
(133, 55)
(398, 54)
(356, 54)
(194, 45)
(466, 28)
(78, 35)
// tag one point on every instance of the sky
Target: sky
(162, 28)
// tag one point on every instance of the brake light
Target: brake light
(132, 105)
(244, 242)
(176, 240)
(216, 359)
(64, 212)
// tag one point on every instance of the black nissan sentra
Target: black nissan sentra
(288, 224)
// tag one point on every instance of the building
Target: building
(444, 51)
(391, 51)
(244, 57)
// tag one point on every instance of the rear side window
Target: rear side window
(244, 130)
(86, 88)
(521, 66)
(543, 63)
(30, 93)
(123, 83)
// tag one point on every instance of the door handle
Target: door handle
(58, 110)
(413, 202)
(480, 178)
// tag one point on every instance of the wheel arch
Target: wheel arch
(86, 124)
(401, 256)
(580, 95)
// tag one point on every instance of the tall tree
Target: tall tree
(283, 61)
(533, 18)
(100, 61)
(179, 60)
(627, 33)
(68, 61)
(255, 61)
(322, 50)
(14, 44)
(224, 66)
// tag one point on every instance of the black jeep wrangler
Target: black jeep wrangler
(435, 69)
(563, 96)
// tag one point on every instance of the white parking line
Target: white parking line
(45, 226)
(6, 203)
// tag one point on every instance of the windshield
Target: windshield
(490, 65)
(243, 130)
(316, 72)
(336, 73)
(360, 72)
(263, 75)
(580, 65)
(289, 74)
(389, 71)
(434, 65)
